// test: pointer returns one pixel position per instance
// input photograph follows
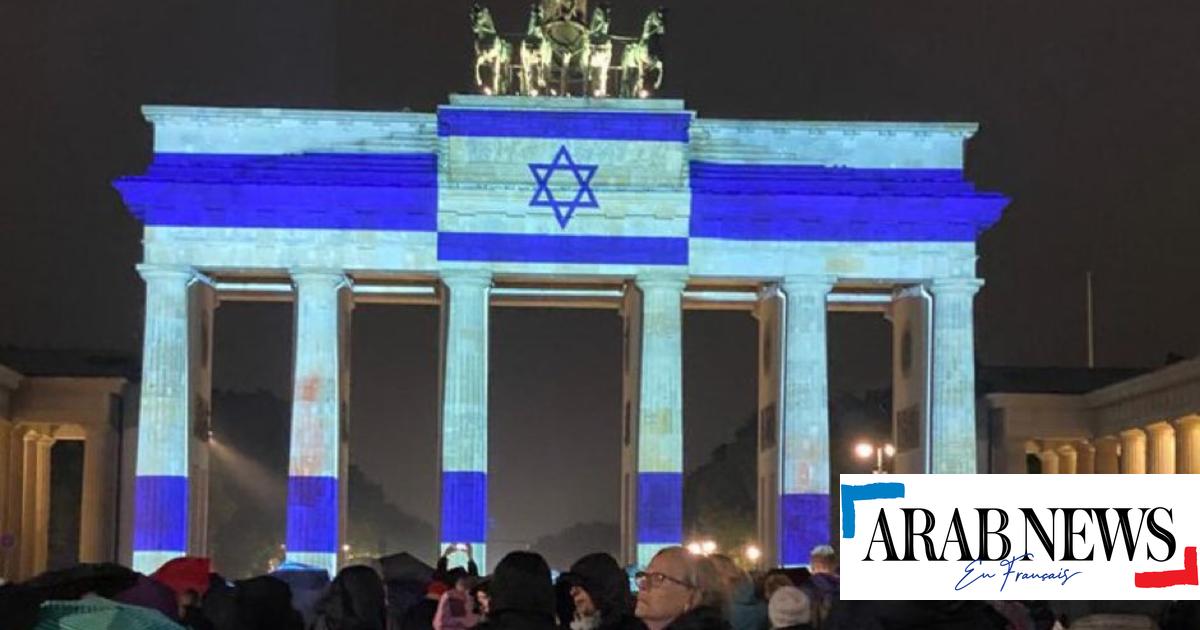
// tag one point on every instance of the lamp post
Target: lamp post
(865, 450)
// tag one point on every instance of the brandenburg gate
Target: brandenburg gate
(632, 204)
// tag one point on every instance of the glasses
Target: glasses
(646, 581)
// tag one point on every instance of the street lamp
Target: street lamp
(865, 450)
(753, 554)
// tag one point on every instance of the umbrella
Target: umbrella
(97, 613)
(405, 567)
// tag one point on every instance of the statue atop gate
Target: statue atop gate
(560, 54)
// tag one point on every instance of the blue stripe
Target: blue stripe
(803, 524)
(160, 518)
(590, 125)
(545, 248)
(464, 506)
(660, 508)
(312, 514)
(330, 191)
(814, 203)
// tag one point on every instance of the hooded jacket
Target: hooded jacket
(608, 586)
(521, 594)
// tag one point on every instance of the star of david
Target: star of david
(543, 196)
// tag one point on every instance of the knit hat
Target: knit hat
(789, 606)
(185, 574)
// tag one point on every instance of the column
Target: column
(1086, 458)
(316, 504)
(1187, 445)
(165, 422)
(464, 426)
(97, 505)
(660, 416)
(1161, 448)
(770, 315)
(1068, 459)
(27, 534)
(804, 510)
(41, 526)
(1108, 455)
(7, 476)
(954, 375)
(1050, 462)
(631, 383)
(1133, 452)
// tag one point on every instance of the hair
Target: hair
(704, 577)
(774, 581)
(823, 556)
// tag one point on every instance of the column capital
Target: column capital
(820, 283)
(45, 441)
(1188, 422)
(156, 271)
(316, 275)
(1159, 427)
(943, 286)
(666, 281)
(466, 277)
(1132, 434)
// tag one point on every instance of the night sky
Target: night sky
(1090, 115)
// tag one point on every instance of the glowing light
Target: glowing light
(695, 549)
(889, 450)
(487, 90)
(863, 450)
(533, 92)
(753, 553)
(644, 94)
(345, 548)
(709, 547)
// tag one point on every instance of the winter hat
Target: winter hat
(185, 574)
(789, 606)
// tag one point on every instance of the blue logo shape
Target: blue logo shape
(544, 197)
(871, 491)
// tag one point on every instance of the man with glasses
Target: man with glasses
(680, 591)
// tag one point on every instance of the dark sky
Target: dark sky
(1089, 113)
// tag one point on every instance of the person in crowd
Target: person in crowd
(599, 590)
(789, 609)
(774, 580)
(265, 603)
(479, 595)
(744, 609)
(823, 586)
(564, 603)
(419, 616)
(455, 609)
(356, 600)
(680, 591)
(521, 595)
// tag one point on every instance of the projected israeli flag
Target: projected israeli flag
(553, 188)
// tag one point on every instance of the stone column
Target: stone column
(631, 383)
(1187, 445)
(316, 504)
(1133, 452)
(771, 334)
(1050, 462)
(1086, 462)
(1108, 455)
(41, 537)
(165, 422)
(464, 427)
(954, 375)
(1068, 459)
(660, 429)
(97, 506)
(27, 536)
(804, 512)
(7, 478)
(1161, 449)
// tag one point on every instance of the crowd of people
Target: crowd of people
(678, 590)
